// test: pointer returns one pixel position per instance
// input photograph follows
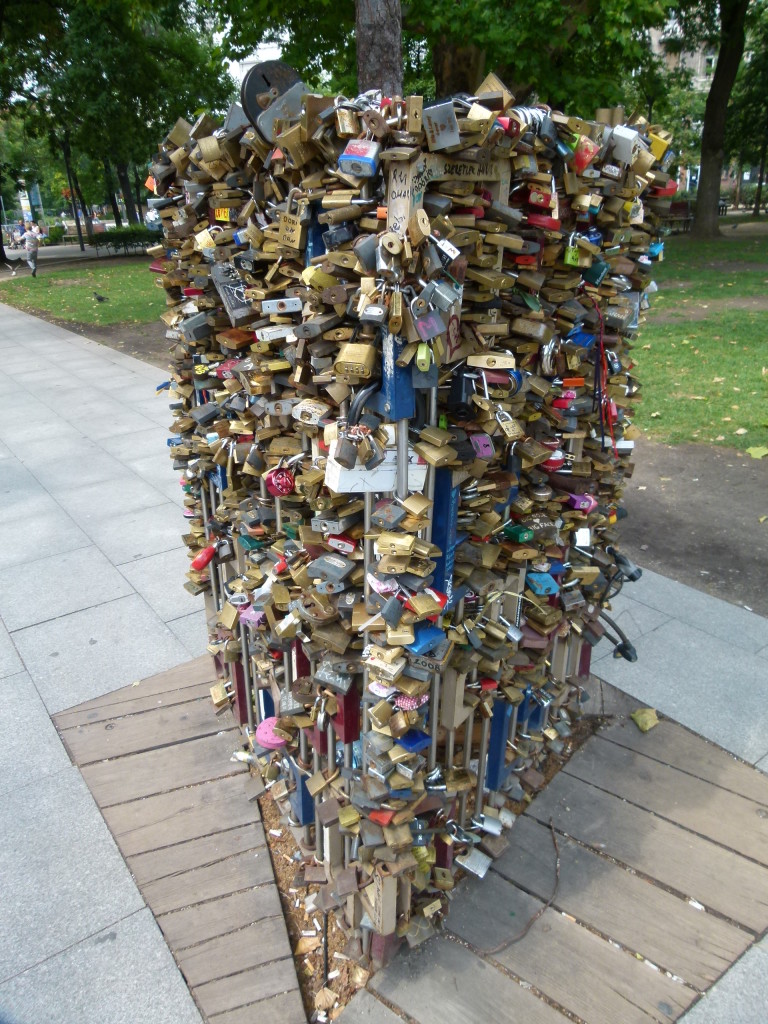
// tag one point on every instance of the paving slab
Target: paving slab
(30, 747)
(112, 423)
(10, 662)
(88, 653)
(65, 471)
(36, 591)
(137, 534)
(690, 675)
(92, 503)
(65, 444)
(365, 1008)
(63, 877)
(138, 445)
(44, 531)
(192, 632)
(739, 627)
(156, 470)
(741, 995)
(159, 579)
(19, 489)
(121, 974)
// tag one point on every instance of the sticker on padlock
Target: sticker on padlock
(360, 157)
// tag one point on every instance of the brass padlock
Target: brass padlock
(356, 359)
(293, 223)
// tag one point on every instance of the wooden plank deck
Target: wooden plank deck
(663, 872)
(157, 761)
(663, 886)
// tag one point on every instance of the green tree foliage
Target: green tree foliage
(746, 137)
(103, 80)
(555, 50)
(718, 25)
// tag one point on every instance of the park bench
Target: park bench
(679, 216)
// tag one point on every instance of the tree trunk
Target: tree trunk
(81, 199)
(737, 190)
(732, 13)
(137, 186)
(379, 33)
(125, 187)
(760, 176)
(109, 182)
(457, 68)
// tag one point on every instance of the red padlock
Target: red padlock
(280, 481)
(203, 557)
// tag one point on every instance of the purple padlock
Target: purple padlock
(582, 502)
(483, 445)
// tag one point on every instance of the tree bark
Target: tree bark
(87, 217)
(457, 68)
(737, 190)
(109, 182)
(137, 186)
(760, 176)
(125, 188)
(379, 34)
(732, 14)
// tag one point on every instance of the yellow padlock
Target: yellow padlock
(423, 357)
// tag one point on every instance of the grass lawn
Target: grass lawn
(702, 357)
(69, 294)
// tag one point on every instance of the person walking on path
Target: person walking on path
(31, 239)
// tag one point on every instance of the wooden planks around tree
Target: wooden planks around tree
(693, 867)
(646, 919)
(676, 746)
(157, 760)
(724, 817)
(570, 965)
(655, 899)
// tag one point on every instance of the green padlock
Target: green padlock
(571, 256)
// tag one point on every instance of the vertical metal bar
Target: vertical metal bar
(347, 839)
(245, 657)
(368, 564)
(434, 721)
(318, 827)
(481, 764)
(303, 757)
(468, 730)
(429, 485)
(401, 486)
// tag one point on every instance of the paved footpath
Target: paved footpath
(90, 601)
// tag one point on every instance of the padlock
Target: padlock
(356, 359)
(294, 221)
(510, 428)
(571, 255)
(345, 452)
(280, 481)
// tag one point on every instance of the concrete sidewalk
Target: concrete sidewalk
(91, 600)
